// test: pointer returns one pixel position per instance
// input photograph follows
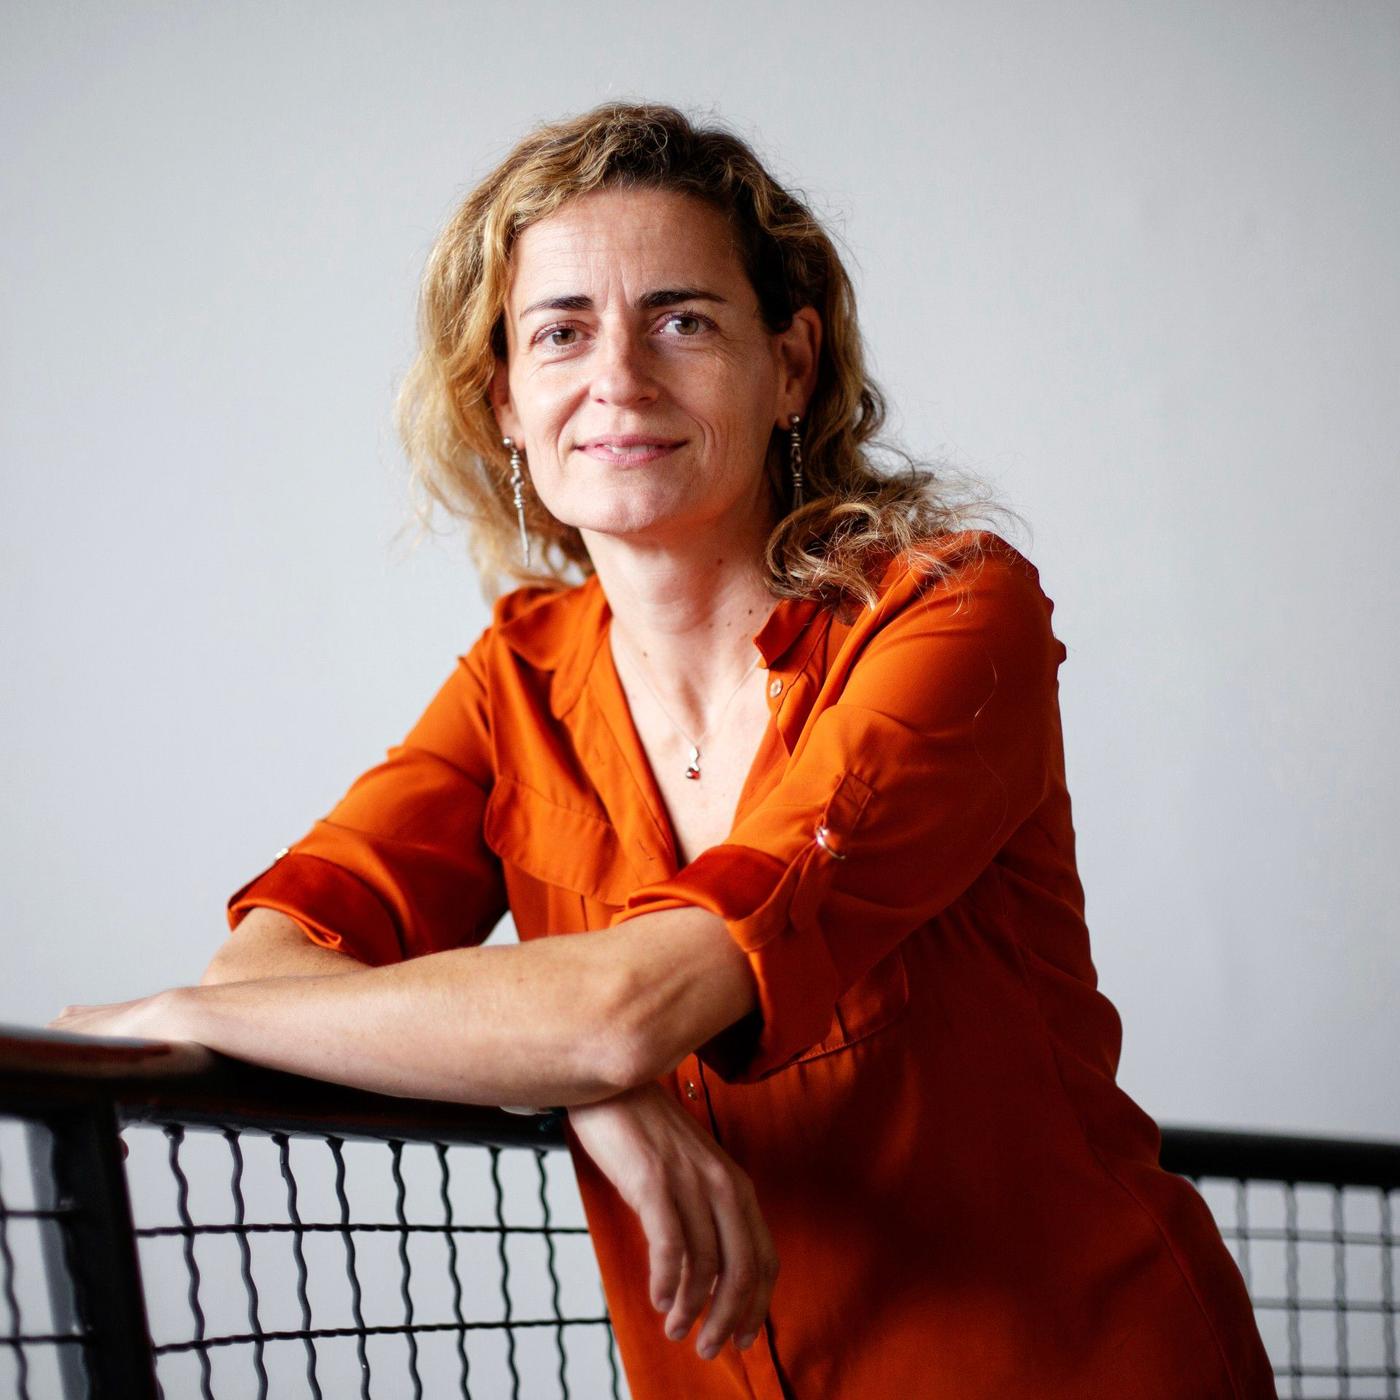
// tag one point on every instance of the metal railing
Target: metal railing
(191, 1222)
(1311, 1223)
(183, 1225)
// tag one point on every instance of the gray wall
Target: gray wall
(1135, 263)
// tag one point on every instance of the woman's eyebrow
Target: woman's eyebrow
(669, 296)
(649, 301)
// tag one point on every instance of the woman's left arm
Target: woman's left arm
(545, 1021)
(550, 1021)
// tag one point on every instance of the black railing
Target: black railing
(188, 1230)
(1311, 1223)
(183, 1226)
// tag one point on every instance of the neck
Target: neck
(687, 612)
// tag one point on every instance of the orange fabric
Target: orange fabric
(964, 1202)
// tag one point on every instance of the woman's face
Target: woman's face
(640, 379)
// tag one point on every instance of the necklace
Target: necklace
(692, 769)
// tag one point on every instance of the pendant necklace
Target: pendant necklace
(692, 769)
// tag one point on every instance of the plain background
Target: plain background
(1135, 264)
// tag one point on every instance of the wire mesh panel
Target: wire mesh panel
(74, 1321)
(1320, 1263)
(324, 1267)
(41, 1340)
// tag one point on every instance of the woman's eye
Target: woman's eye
(553, 336)
(686, 324)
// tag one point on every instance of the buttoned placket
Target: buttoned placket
(619, 757)
(690, 1073)
(758, 1362)
(760, 1367)
(616, 757)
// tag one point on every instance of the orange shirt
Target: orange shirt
(963, 1201)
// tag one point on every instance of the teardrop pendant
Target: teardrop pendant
(692, 769)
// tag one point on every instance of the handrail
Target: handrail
(156, 1081)
(1290, 1157)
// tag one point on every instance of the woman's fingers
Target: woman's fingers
(737, 1276)
(661, 1224)
(701, 1263)
(767, 1257)
(748, 1269)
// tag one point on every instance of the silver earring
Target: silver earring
(517, 486)
(795, 458)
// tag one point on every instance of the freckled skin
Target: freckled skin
(709, 374)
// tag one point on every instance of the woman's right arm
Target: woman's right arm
(268, 943)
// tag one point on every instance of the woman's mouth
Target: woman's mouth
(630, 450)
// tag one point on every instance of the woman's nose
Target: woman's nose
(621, 374)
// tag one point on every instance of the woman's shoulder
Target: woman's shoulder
(971, 585)
(958, 563)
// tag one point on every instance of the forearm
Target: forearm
(531, 1023)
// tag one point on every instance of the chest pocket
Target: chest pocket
(565, 867)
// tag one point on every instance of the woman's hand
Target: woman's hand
(147, 1018)
(697, 1207)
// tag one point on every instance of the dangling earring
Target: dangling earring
(517, 486)
(795, 458)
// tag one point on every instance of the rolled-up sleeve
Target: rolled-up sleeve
(899, 793)
(398, 867)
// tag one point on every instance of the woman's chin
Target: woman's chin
(629, 526)
(630, 519)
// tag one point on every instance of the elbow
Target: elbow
(643, 1043)
(622, 1057)
(625, 1049)
(656, 1014)
(635, 1062)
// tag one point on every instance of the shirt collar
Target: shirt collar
(785, 623)
(563, 629)
(559, 631)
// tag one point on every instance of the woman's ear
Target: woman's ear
(799, 348)
(501, 406)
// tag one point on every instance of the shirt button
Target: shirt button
(691, 1092)
(775, 687)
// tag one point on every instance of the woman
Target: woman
(788, 764)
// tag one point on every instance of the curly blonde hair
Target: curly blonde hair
(866, 501)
